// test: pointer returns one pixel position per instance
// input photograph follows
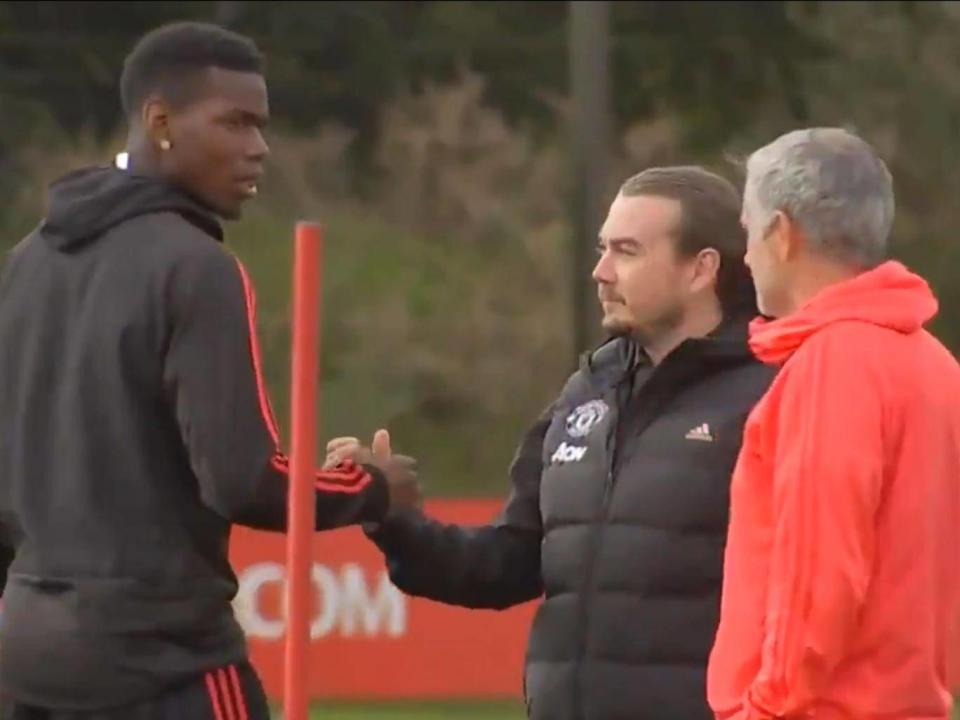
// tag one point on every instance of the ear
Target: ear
(787, 237)
(706, 268)
(155, 117)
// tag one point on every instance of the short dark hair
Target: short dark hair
(709, 218)
(170, 58)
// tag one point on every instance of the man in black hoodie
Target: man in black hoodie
(135, 427)
(618, 510)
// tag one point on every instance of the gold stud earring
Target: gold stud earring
(165, 144)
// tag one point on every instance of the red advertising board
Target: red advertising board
(368, 640)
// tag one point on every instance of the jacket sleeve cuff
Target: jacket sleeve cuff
(378, 497)
(389, 532)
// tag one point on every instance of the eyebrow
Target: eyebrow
(619, 242)
(261, 121)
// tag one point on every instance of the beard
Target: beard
(647, 331)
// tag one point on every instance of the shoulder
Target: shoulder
(854, 348)
(191, 265)
(172, 236)
(600, 368)
(20, 249)
(753, 375)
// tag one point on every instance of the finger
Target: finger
(356, 453)
(381, 446)
(339, 442)
(405, 461)
(347, 451)
(331, 462)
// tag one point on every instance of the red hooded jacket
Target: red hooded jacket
(842, 578)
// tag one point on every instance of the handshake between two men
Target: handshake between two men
(400, 470)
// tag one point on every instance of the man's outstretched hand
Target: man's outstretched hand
(400, 470)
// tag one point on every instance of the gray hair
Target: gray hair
(831, 183)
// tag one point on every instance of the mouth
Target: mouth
(248, 185)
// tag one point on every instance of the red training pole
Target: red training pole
(301, 511)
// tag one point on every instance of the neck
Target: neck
(694, 325)
(816, 276)
(142, 156)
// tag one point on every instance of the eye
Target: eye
(628, 249)
(234, 123)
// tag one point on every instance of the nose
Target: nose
(603, 270)
(258, 150)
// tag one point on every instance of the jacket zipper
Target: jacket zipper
(596, 537)
(651, 399)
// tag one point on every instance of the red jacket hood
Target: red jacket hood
(889, 296)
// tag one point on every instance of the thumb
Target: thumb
(381, 445)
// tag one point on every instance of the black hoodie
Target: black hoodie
(135, 428)
(618, 518)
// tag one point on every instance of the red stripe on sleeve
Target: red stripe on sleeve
(238, 692)
(225, 694)
(265, 409)
(345, 478)
(214, 701)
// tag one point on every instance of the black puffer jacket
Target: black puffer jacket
(618, 516)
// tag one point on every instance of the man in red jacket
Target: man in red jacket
(842, 575)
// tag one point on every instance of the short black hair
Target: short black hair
(170, 58)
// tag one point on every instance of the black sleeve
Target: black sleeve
(493, 566)
(214, 382)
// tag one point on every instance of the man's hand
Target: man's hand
(400, 470)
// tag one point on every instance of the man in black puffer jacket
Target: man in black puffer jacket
(618, 513)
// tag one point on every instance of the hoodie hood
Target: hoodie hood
(889, 296)
(85, 204)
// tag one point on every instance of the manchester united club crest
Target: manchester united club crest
(586, 417)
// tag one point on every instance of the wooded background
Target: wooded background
(458, 154)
